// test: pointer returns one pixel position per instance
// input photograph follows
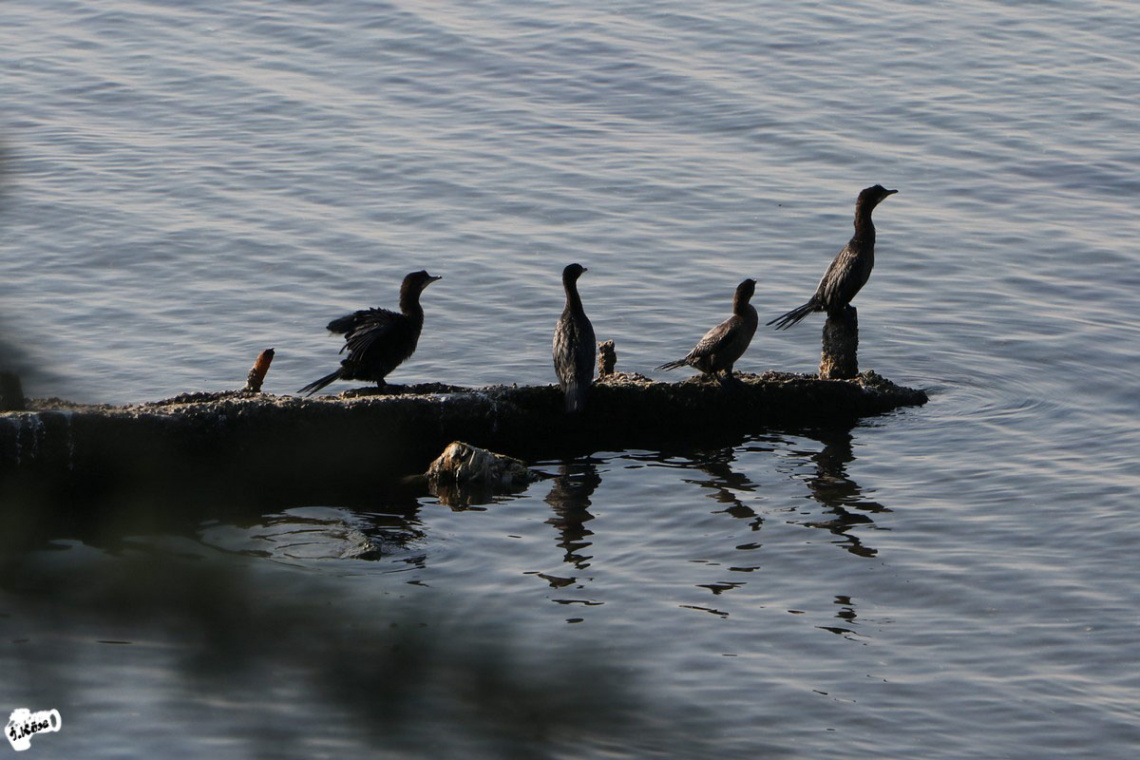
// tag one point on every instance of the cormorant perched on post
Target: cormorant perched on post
(378, 340)
(574, 348)
(727, 342)
(849, 270)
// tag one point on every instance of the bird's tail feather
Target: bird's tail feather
(576, 397)
(674, 365)
(795, 315)
(315, 386)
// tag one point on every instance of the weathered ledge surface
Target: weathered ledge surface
(239, 445)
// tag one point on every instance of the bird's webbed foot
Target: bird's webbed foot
(730, 381)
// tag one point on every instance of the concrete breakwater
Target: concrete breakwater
(249, 447)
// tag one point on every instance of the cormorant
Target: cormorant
(378, 340)
(574, 347)
(849, 270)
(727, 342)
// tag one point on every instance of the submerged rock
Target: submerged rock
(463, 464)
(464, 475)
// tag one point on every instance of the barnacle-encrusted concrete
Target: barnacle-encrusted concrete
(240, 445)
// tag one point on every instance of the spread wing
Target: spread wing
(361, 337)
(357, 319)
(363, 328)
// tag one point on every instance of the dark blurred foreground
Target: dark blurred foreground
(244, 655)
(298, 664)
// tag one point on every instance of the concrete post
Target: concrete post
(607, 359)
(11, 393)
(839, 359)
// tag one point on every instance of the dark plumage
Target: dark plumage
(574, 347)
(849, 270)
(378, 340)
(727, 342)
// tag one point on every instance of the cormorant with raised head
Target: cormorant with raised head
(849, 270)
(574, 347)
(727, 342)
(378, 340)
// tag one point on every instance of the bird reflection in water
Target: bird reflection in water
(846, 615)
(838, 493)
(726, 484)
(570, 498)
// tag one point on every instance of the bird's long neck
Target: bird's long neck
(410, 303)
(864, 227)
(573, 300)
(740, 300)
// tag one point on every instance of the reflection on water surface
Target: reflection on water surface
(370, 612)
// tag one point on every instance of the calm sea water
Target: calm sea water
(186, 183)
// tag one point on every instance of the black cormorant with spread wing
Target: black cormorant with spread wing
(378, 340)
